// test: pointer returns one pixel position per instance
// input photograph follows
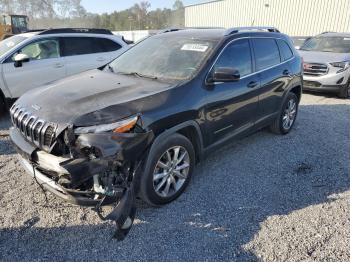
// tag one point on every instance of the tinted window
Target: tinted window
(43, 49)
(266, 53)
(81, 46)
(238, 56)
(108, 45)
(285, 50)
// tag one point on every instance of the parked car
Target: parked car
(33, 59)
(326, 63)
(139, 125)
(299, 41)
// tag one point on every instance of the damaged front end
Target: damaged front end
(90, 166)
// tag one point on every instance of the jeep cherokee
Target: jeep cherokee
(138, 126)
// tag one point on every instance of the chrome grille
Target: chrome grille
(314, 69)
(35, 130)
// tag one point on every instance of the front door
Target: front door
(232, 106)
(45, 65)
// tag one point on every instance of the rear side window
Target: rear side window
(238, 56)
(87, 45)
(286, 52)
(108, 45)
(78, 46)
(266, 53)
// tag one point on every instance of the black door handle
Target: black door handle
(286, 72)
(252, 84)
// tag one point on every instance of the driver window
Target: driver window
(237, 55)
(44, 49)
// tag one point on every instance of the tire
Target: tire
(344, 92)
(280, 126)
(161, 171)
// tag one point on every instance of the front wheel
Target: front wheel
(286, 119)
(168, 170)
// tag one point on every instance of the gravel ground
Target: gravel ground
(265, 198)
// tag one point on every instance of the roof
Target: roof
(29, 34)
(218, 33)
(333, 34)
(214, 34)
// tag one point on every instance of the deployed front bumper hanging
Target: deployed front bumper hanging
(123, 151)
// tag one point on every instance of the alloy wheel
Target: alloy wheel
(289, 114)
(171, 171)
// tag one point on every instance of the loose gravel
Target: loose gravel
(264, 198)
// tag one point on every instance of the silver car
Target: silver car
(326, 63)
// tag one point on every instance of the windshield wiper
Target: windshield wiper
(138, 74)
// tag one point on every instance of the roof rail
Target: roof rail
(168, 30)
(235, 30)
(76, 30)
(327, 32)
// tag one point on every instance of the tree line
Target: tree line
(71, 13)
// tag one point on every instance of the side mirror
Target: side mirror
(225, 74)
(20, 59)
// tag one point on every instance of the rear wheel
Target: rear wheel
(344, 92)
(168, 171)
(286, 119)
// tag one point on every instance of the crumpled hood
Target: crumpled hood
(323, 57)
(88, 92)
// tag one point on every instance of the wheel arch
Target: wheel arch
(191, 130)
(297, 90)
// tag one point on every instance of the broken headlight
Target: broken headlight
(117, 127)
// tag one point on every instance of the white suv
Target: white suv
(33, 59)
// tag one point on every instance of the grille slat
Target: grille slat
(315, 69)
(36, 130)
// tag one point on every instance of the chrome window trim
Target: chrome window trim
(254, 73)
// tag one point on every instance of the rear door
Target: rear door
(232, 106)
(45, 65)
(274, 75)
(84, 53)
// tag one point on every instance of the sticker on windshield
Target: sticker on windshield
(10, 44)
(194, 47)
(347, 39)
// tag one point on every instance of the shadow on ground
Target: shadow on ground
(232, 192)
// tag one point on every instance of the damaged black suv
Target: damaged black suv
(137, 127)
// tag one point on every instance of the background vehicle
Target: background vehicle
(299, 41)
(33, 59)
(326, 63)
(12, 24)
(139, 125)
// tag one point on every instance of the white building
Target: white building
(293, 17)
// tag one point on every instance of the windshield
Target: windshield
(171, 58)
(328, 44)
(9, 43)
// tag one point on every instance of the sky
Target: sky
(108, 6)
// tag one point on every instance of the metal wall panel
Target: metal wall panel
(293, 17)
